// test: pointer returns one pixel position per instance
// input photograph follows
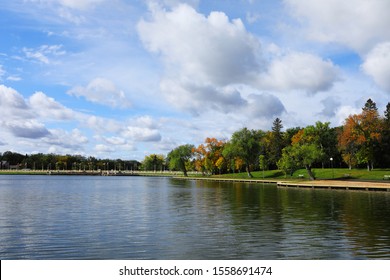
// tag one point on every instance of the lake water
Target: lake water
(77, 217)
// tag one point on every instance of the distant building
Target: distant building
(4, 164)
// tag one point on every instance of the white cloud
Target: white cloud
(47, 107)
(141, 134)
(101, 148)
(358, 24)
(331, 105)
(44, 53)
(265, 106)
(343, 112)
(102, 91)
(100, 124)
(14, 78)
(80, 4)
(26, 128)
(188, 96)
(115, 140)
(209, 49)
(377, 65)
(203, 55)
(69, 140)
(13, 105)
(300, 71)
(206, 56)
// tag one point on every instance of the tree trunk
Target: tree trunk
(249, 172)
(310, 173)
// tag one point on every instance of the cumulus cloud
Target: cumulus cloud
(197, 98)
(212, 49)
(141, 134)
(202, 55)
(101, 148)
(331, 105)
(206, 56)
(25, 117)
(362, 26)
(265, 106)
(115, 140)
(300, 71)
(47, 107)
(26, 128)
(144, 121)
(72, 140)
(358, 24)
(101, 124)
(102, 91)
(377, 65)
(13, 105)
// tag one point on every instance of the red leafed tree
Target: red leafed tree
(359, 136)
(209, 158)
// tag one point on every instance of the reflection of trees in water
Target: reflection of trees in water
(322, 223)
(367, 225)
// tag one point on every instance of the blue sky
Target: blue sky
(123, 79)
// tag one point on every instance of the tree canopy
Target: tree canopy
(179, 157)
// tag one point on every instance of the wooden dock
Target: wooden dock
(340, 185)
(317, 184)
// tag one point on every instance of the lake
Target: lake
(94, 217)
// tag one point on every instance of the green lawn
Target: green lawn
(321, 174)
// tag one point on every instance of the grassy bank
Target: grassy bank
(321, 174)
(277, 175)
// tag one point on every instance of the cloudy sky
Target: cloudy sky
(122, 79)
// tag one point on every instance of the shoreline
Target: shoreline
(317, 184)
(372, 185)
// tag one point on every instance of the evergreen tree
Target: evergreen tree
(370, 106)
(276, 144)
(383, 153)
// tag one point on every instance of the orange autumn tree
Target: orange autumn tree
(359, 136)
(209, 158)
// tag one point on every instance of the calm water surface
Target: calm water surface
(66, 217)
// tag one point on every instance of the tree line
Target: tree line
(363, 140)
(40, 161)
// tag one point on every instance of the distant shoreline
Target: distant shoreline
(372, 185)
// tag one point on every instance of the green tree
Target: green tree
(153, 162)
(325, 138)
(179, 157)
(286, 163)
(245, 144)
(304, 151)
(276, 143)
(262, 163)
(384, 151)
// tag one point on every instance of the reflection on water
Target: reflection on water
(64, 217)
